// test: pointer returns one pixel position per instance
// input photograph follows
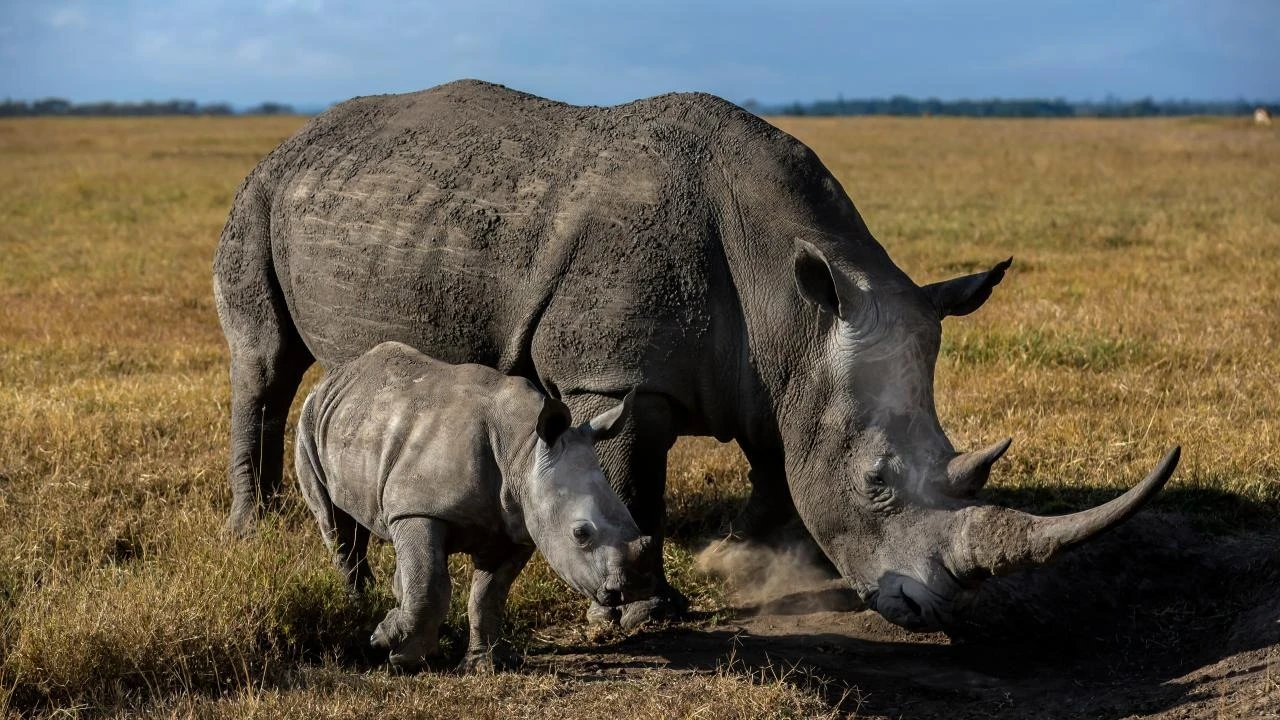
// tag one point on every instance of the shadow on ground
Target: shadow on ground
(1165, 616)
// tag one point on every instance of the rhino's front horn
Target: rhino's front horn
(968, 472)
(1000, 540)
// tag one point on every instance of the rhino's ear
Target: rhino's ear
(553, 420)
(963, 295)
(610, 422)
(820, 284)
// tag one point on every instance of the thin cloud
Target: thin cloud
(281, 7)
(67, 18)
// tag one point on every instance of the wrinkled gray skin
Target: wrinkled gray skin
(677, 244)
(441, 458)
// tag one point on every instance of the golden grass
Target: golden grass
(1143, 310)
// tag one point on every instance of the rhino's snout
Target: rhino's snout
(623, 587)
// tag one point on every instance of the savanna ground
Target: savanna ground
(1143, 310)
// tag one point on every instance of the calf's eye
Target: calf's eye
(582, 533)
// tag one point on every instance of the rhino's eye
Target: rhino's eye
(876, 487)
(582, 533)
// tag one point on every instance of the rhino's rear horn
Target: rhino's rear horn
(998, 540)
(968, 472)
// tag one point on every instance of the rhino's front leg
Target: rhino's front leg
(767, 518)
(411, 632)
(635, 462)
(490, 585)
(769, 507)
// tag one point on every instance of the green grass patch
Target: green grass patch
(1043, 348)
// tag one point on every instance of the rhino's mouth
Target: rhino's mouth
(911, 604)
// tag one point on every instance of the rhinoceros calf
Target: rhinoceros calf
(441, 458)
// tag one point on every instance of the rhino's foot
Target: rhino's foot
(670, 605)
(386, 635)
(241, 523)
(486, 661)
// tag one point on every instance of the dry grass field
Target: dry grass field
(1143, 311)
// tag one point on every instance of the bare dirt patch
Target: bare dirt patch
(1156, 620)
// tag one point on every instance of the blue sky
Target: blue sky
(313, 52)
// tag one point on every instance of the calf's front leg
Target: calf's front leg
(490, 584)
(411, 631)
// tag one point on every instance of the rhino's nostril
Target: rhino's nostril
(610, 598)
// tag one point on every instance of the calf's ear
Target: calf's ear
(610, 422)
(553, 420)
(963, 295)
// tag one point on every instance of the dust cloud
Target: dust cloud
(791, 578)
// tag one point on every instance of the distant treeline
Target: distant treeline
(58, 106)
(1033, 108)
(896, 105)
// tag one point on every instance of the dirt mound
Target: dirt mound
(1155, 619)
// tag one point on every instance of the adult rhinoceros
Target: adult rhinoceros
(676, 244)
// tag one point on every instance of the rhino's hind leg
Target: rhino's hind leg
(262, 388)
(636, 464)
(268, 359)
(411, 632)
(490, 585)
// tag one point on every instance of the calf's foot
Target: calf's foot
(600, 616)
(486, 661)
(407, 650)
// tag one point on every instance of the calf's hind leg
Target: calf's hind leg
(347, 539)
(411, 631)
